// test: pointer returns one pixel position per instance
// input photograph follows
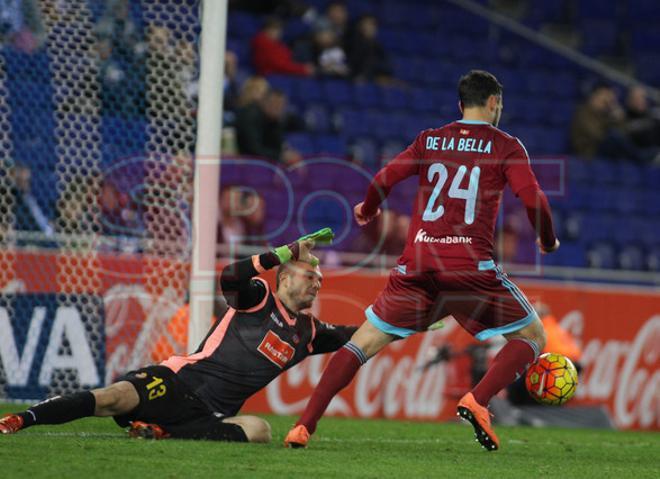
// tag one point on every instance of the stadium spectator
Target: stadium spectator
(324, 50)
(264, 333)
(367, 58)
(117, 217)
(21, 25)
(270, 55)
(642, 121)
(597, 128)
(117, 25)
(241, 218)
(115, 88)
(253, 90)
(232, 87)
(335, 18)
(188, 72)
(250, 93)
(261, 125)
(122, 52)
(28, 214)
(74, 215)
(168, 65)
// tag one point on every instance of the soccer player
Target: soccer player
(446, 267)
(261, 334)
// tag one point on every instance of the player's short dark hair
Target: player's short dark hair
(476, 86)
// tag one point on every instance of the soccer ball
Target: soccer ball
(552, 379)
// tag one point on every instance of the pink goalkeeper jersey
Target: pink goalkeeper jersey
(463, 168)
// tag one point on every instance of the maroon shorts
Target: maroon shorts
(484, 301)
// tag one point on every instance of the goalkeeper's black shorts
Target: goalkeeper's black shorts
(166, 401)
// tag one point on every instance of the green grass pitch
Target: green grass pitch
(343, 448)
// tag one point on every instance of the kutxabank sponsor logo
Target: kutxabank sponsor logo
(423, 237)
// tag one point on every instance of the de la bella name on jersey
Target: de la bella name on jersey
(468, 144)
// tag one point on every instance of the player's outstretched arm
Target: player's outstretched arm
(361, 218)
(522, 180)
(236, 280)
(540, 216)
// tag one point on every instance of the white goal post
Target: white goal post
(207, 168)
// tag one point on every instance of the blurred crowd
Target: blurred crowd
(603, 127)
(258, 117)
(334, 46)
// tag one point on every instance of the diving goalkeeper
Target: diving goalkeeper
(261, 334)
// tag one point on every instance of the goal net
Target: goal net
(97, 133)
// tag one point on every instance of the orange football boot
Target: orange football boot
(479, 416)
(143, 430)
(10, 424)
(297, 437)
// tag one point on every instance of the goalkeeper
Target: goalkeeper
(260, 334)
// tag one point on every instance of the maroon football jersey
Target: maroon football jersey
(463, 168)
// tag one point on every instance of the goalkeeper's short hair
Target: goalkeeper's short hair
(283, 268)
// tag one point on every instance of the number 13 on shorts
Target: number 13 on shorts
(156, 388)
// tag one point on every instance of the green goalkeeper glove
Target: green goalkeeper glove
(323, 236)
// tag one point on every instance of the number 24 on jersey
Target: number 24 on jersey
(469, 194)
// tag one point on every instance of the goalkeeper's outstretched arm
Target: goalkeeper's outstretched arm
(237, 282)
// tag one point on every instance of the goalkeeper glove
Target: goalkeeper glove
(322, 237)
(286, 253)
